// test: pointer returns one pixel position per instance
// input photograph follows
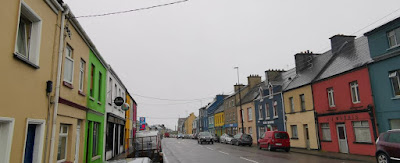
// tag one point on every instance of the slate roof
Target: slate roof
(350, 57)
(252, 94)
(220, 108)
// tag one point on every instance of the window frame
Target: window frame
(267, 114)
(8, 138)
(275, 109)
(361, 126)
(354, 85)
(395, 75)
(297, 132)
(322, 131)
(331, 97)
(61, 134)
(68, 48)
(95, 147)
(110, 94)
(92, 76)
(393, 33)
(100, 83)
(260, 112)
(82, 68)
(39, 139)
(249, 114)
(291, 104)
(302, 102)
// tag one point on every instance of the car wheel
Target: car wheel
(270, 148)
(212, 142)
(382, 158)
(237, 143)
(259, 146)
(287, 149)
(250, 145)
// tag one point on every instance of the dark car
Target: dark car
(274, 140)
(216, 138)
(195, 136)
(388, 146)
(205, 137)
(242, 139)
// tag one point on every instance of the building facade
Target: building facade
(130, 125)
(230, 123)
(219, 120)
(210, 109)
(189, 123)
(384, 74)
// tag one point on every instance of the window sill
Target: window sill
(362, 143)
(81, 93)
(96, 158)
(396, 98)
(23, 59)
(326, 140)
(393, 47)
(109, 104)
(98, 102)
(67, 84)
(276, 117)
(91, 98)
(295, 138)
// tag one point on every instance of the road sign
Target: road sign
(142, 120)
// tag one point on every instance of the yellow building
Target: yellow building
(28, 42)
(219, 120)
(300, 122)
(129, 122)
(189, 123)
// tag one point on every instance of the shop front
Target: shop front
(114, 136)
(231, 129)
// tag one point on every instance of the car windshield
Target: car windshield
(281, 135)
(205, 134)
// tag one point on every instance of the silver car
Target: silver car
(225, 138)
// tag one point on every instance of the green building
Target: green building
(96, 94)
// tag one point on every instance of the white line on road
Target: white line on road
(248, 160)
(224, 152)
(209, 148)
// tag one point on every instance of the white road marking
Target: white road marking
(224, 152)
(209, 148)
(248, 160)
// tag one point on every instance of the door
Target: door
(30, 143)
(78, 131)
(342, 138)
(306, 136)
(116, 129)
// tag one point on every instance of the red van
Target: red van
(274, 140)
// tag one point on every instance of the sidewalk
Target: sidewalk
(123, 155)
(334, 155)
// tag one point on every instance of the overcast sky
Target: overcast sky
(188, 50)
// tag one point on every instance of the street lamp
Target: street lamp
(240, 101)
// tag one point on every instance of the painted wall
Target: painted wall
(110, 106)
(248, 122)
(189, 123)
(128, 122)
(20, 80)
(219, 121)
(96, 108)
(300, 118)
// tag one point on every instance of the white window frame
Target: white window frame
(8, 135)
(301, 102)
(393, 34)
(39, 139)
(260, 112)
(275, 109)
(250, 131)
(110, 92)
(395, 75)
(82, 68)
(361, 126)
(354, 85)
(93, 137)
(242, 114)
(249, 114)
(60, 134)
(291, 104)
(33, 51)
(331, 97)
(324, 137)
(267, 115)
(69, 57)
(296, 136)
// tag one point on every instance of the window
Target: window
(81, 74)
(354, 92)
(27, 46)
(99, 94)
(266, 111)
(242, 115)
(121, 135)
(91, 80)
(395, 80)
(331, 99)
(361, 131)
(326, 132)
(294, 131)
(394, 124)
(394, 37)
(291, 104)
(250, 131)
(95, 139)
(62, 143)
(260, 114)
(271, 91)
(249, 114)
(68, 65)
(275, 109)
(110, 88)
(302, 103)
(115, 90)
(261, 131)
(6, 134)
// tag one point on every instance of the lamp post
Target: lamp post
(240, 101)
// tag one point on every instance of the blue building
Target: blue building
(210, 109)
(269, 110)
(384, 72)
(202, 119)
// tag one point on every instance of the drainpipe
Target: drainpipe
(283, 110)
(58, 81)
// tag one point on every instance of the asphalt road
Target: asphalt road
(188, 151)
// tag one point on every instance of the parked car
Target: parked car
(242, 139)
(186, 136)
(166, 135)
(205, 137)
(216, 138)
(180, 136)
(388, 146)
(225, 138)
(274, 140)
(195, 136)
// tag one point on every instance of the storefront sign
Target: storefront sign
(342, 118)
(268, 122)
(119, 101)
(125, 106)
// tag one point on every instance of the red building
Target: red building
(343, 99)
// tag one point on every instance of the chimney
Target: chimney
(338, 41)
(271, 75)
(253, 80)
(304, 60)
(237, 87)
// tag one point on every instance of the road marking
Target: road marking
(224, 152)
(248, 160)
(209, 148)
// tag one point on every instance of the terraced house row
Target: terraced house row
(57, 91)
(337, 101)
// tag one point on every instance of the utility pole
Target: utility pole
(240, 101)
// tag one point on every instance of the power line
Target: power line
(165, 99)
(127, 11)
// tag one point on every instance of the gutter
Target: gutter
(58, 81)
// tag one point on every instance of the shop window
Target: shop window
(326, 132)
(395, 80)
(62, 143)
(362, 131)
(294, 131)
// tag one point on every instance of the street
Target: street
(189, 151)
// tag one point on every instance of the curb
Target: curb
(327, 156)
